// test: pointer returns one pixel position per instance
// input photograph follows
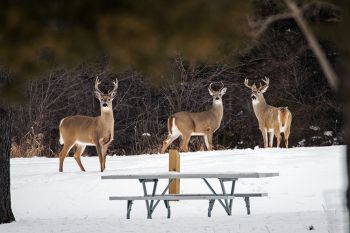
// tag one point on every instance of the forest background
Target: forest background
(146, 97)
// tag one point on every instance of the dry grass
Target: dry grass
(29, 146)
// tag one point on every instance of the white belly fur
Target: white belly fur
(176, 132)
(84, 143)
(282, 129)
(197, 134)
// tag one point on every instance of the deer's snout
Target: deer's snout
(104, 105)
(253, 97)
(217, 98)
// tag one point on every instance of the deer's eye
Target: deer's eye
(259, 92)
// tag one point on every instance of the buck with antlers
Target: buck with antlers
(187, 124)
(81, 131)
(272, 120)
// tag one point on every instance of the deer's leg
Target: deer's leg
(208, 139)
(104, 143)
(278, 136)
(99, 153)
(184, 143)
(77, 155)
(168, 141)
(264, 134)
(286, 135)
(271, 139)
(65, 150)
(104, 154)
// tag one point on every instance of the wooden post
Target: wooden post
(174, 166)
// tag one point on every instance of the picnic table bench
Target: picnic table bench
(153, 199)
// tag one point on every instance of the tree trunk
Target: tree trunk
(345, 95)
(6, 215)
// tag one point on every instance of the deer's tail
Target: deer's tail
(171, 121)
(61, 138)
(283, 115)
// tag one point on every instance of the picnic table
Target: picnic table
(222, 196)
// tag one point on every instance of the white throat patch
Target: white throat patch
(106, 109)
(255, 101)
(217, 102)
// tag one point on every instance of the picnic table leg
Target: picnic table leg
(227, 202)
(211, 205)
(162, 194)
(213, 191)
(149, 213)
(128, 209)
(232, 192)
(166, 202)
(153, 193)
(224, 193)
(151, 205)
(247, 204)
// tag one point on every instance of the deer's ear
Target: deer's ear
(223, 90)
(98, 95)
(210, 92)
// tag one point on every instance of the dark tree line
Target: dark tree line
(141, 109)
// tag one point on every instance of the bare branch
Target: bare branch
(314, 45)
(259, 27)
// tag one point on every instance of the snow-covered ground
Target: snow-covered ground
(307, 196)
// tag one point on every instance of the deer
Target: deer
(188, 124)
(81, 131)
(272, 120)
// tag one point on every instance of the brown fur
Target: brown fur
(267, 116)
(80, 131)
(283, 112)
(192, 123)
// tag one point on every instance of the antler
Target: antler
(115, 84)
(246, 81)
(210, 88)
(97, 82)
(222, 85)
(266, 81)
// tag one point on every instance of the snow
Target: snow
(314, 128)
(307, 194)
(302, 142)
(328, 133)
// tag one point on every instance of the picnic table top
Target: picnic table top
(192, 175)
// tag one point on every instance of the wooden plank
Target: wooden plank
(187, 197)
(174, 166)
(182, 175)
